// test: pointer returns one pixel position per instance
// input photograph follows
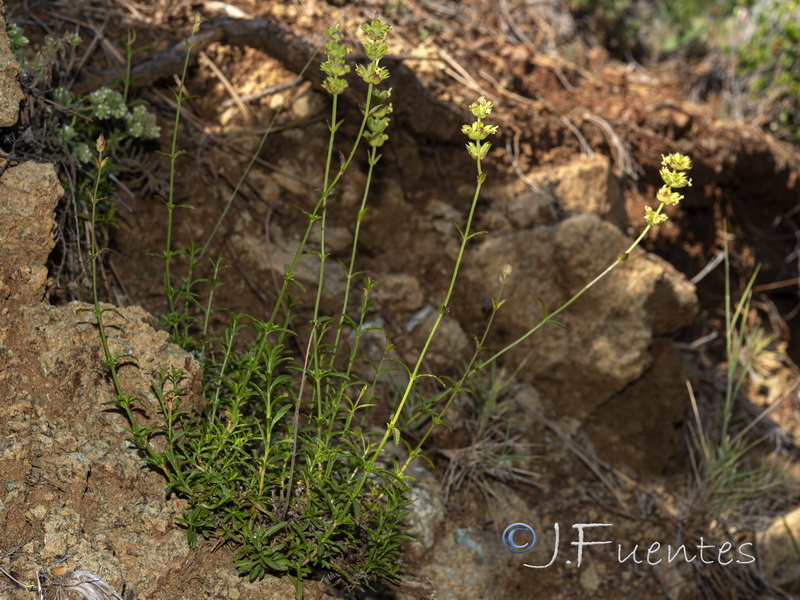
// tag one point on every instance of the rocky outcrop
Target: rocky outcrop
(612, 372)
(10, 91)
(72, 486)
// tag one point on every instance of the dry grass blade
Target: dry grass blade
(592, 462)
(622, 157)
(229, 87)
(494, 454)
(78, 585)
(460, 74)
(486, 459)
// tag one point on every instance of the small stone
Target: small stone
(778, 551)
(307, 105)
(39, 512)
(403, 292)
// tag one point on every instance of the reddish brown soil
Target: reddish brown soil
(545, 106)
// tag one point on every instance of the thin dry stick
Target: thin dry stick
(19, 583)
(768, 287)
(712, 264)
(226, 83)
(512, 157)
(764, 413)
(226, 10)
(534, 104)
(622, 157)
(701, 434)
(585, 147)
(461, 75)
(510, 22)
(96, 39)
(222, 142)
(267, 224)
(593, 463)
(134, 10)
(540, 103)
(89, 52)
(278, 40)
(267, 91)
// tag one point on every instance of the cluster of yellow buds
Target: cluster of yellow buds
(375, 47)
(673, 176)
(335, 66)
(378, 119)
(478, 130)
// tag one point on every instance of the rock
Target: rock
(584, 186)
(72, 486)
(10, 91)
(464, 561)
(376, 352)
(28, 196)
(427, 519)
(450, 347)
(609, 344)
(531, 208)
(337, 239)
(637, 427)
(309, 104)
(459, 566)
(260, 256)
(399, 291)
(65, 452)
(778, 553)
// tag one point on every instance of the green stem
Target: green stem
(549, 317)
(391, 426)
(373, 159)
(313, 342)
(111, 360)
(129, 41)
(213, 284)
(287, 278)
(730, 324)
(94, 256)
(443, 310)
(173, 155)
(459, 385)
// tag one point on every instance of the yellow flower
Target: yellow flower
(676, 162)
(667, 196)
(654, 218)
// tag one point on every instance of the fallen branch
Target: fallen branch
(420, 112)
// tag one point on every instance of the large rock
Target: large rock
(10, 91)
(605, 358)
(72, 486)
(778, 551)
(28, 197)
(585, 185)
